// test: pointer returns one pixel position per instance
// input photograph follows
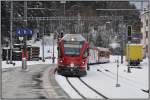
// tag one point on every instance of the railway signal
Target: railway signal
(129, 32)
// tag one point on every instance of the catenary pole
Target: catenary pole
(11, 30)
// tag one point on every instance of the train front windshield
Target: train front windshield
(73, 48)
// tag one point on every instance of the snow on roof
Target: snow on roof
(6, 47)
(136, 44)
(17, 44)
(73, 37)
(17, 51)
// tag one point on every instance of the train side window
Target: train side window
(85, 55)
(87, 52)
(58, 51)
(59, 54)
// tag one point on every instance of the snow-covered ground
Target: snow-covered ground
(102, 77)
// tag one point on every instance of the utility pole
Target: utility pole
(24, 60)
(11, 31)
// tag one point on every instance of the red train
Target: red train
(73, 52)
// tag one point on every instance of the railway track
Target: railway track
(75, 88)
(83, 94)
(93, 89)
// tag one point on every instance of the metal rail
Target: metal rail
(75, 88)
(100, 94)
(93, 89)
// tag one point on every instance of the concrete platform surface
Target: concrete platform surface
(37, 82)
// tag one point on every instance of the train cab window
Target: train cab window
(72, 48)
(85, 55)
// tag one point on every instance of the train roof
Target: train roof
(136, 44)
(103, 49)
(73, 37)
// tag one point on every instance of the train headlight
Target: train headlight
(72, 65)
(72, 39)
(83, 62)
(61, 61)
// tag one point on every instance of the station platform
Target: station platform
(38, 82)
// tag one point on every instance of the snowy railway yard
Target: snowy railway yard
(60, 50)
(100, 82)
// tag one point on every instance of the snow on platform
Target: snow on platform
(19, 63)
(48, 53)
